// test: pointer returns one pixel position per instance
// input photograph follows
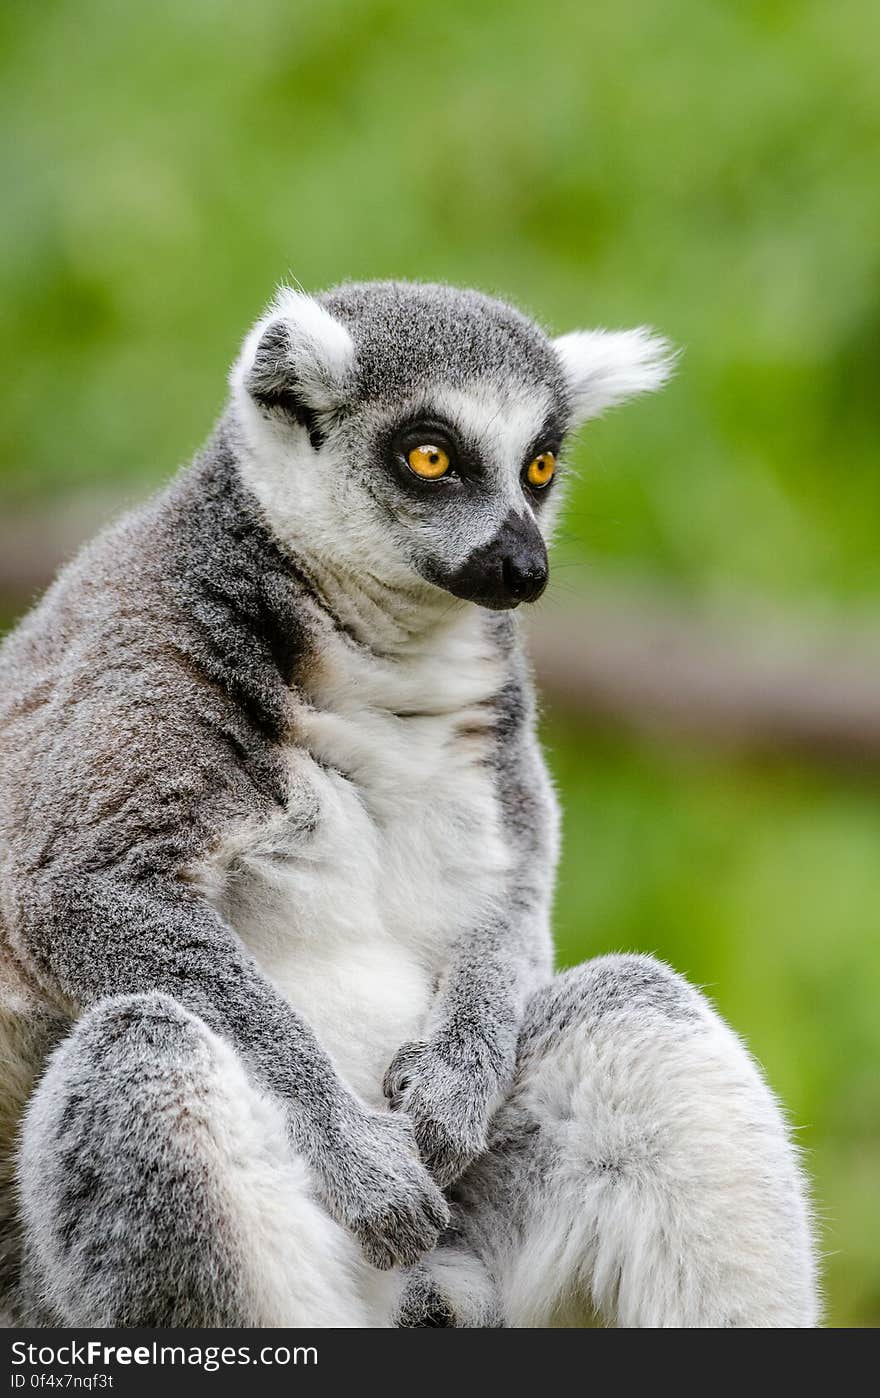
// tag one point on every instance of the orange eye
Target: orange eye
(429, 462)
(541, 471)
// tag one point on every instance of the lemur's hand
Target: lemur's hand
(449, 1090)
(375, 1185)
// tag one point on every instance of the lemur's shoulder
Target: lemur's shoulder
(147, 694)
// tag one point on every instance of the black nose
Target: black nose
(511, 568)
(524, 574)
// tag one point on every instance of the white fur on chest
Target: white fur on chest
(391, 846)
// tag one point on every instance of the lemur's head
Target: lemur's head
(411, 435)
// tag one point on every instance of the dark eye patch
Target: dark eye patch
(424, 430)
(549, 438)
(420, 431)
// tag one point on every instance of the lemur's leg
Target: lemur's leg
(640, 1172)
(158, 1188)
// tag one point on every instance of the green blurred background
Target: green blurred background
(709, 168)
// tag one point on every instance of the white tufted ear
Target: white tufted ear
(296, 357)
(604, 367)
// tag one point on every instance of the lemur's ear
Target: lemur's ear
(605, 367)
(296, 358)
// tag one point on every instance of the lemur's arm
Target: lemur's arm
(96, 935)
(451, 1083)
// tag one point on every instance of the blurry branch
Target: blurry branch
(622, 656)
(34, 545)
(767, 684)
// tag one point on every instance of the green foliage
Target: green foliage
(707, 167)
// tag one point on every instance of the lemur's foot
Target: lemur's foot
(423, 1305)
(450, 1290)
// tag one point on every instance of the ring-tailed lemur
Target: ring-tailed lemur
(280, 1037)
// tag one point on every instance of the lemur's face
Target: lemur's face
(412, 435)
